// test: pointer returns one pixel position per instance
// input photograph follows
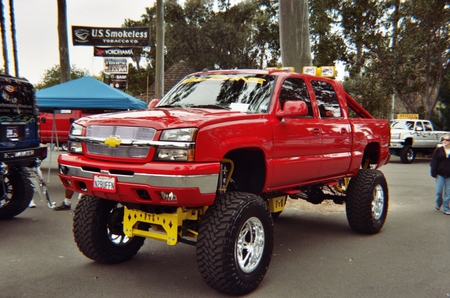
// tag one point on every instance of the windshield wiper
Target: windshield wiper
(209, 107)
(170, 106)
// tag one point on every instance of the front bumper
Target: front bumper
(24, 157)
(396, 144)
(193, 184)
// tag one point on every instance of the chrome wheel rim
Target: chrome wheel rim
(250, 245)
(378, 202)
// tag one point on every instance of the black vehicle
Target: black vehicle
(20, 147)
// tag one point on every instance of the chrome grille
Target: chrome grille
(126, 134)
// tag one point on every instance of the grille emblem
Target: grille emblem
(113, 141)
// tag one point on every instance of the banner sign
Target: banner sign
(113, 52)
(118, 81)
(112, 37)
(407, 116)
(116, 65)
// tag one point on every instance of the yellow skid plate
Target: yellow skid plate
(169, 222)
(277, 204)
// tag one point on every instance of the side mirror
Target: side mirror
(153, 103)
(293, 108)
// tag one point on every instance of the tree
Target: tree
(52, 76)
(327, 43)
(431, 43)
(244, 35)
(443, 118)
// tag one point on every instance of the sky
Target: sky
(37, 33)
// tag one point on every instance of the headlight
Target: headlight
(76, 130)
(180, 134)
(395, 135)
(172, 151)
(175, 154)
(74, 146)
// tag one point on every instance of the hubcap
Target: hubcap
(250, 245)
(410, 155)
(377, 202)
(115, 227)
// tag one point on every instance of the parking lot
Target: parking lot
(316, 254)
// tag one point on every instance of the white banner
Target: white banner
(116, 65)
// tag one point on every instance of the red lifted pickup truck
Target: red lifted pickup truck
(213, 162)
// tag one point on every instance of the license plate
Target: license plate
(105, 183)
(12, 132)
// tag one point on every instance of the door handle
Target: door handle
(316, 131)
(344, 130)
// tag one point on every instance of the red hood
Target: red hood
(163, 118)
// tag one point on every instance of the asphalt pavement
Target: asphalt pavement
(316, 254)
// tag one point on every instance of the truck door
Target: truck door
(297, 140)
(424, 136)
(433, 138)
(336, 131)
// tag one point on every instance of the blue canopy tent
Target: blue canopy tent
(86, 93)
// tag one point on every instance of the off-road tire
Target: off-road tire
(19, 192)
(407, 154)
(98, 231)
(226, 237)
(367, 201)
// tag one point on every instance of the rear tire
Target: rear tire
(367, 201)
(235, 243)
(98, 231)
(15, 194)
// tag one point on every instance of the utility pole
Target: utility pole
(159, 77)
(64, 63)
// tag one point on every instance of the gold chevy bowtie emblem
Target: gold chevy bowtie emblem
(113, 142)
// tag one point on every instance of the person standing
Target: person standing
(440, 170)
(67, 203)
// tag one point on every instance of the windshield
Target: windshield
(16, 97)
(236, 92)
(407, 125)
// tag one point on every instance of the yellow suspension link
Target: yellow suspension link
(164, 226)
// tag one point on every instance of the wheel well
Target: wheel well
(249, 170)
(371, 155)
(408, 141)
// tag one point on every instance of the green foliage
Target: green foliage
(138, 79)
(371, 96)
(405, 43)
(244, 35)
(52, 76)
(442, 118)
(388, 47)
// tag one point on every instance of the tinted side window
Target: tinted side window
(428, 126)
(295, 89)
(326, 99)
(419, 126)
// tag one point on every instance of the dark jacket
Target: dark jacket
(440, 164)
